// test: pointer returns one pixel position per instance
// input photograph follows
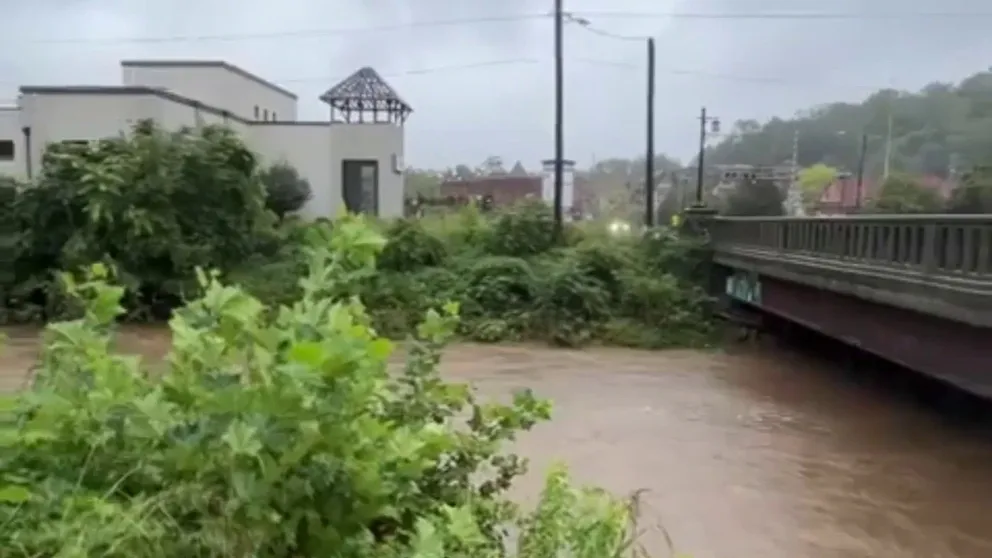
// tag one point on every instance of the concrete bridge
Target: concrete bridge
(913, 289)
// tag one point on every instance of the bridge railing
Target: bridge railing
(958, 245)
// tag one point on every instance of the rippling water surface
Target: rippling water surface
(763, 454)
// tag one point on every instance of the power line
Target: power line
(533, 61)
(344, 31)
(299, 33)
(892, 15)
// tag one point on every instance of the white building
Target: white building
(353, 159)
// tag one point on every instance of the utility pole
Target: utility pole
(559, 116)
(859, 193)
(888, 144)
(649, 159)
(794, 199)
(715, 123)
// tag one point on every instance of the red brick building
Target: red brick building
(508, 189)
(504, 189)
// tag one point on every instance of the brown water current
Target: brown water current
(761, 454)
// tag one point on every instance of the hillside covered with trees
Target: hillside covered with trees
(941, 128)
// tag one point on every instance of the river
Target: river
(758, 453)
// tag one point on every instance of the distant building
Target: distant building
(508, 189)
(352, 159)
(504, 189)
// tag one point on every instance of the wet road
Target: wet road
(761, 454)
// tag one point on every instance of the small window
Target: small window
(265, 114)
(273, 116)
(6, 150)
(256, 112)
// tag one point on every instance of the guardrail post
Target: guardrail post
(929, 259)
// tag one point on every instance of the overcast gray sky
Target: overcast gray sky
(739, 68)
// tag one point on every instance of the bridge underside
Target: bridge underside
(952, 351)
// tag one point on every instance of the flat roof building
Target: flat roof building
(353, 159)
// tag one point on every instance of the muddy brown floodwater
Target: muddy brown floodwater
(763, 454)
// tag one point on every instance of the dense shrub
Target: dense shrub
(157, 205)
(499, 294)
(528, 230)
(153, 204)
(275, 433)
(285, 190)
(573, 305)
(410, 247)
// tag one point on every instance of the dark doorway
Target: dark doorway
(360, 185)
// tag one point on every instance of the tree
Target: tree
(974, 194)
(154, 205)
(618, 184)
(422, 182)
(755, 198)
(902, 193)
(463, 172)
(670, 206)
(286, 191)
(492, 166)
(939, 127)
(813, 180)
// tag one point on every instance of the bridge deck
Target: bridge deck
(939, 265)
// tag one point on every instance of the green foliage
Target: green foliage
(417, 182)
(155, 205)
(974, 194)
(285, 190)
(410, 247)
(528, 230)
(814, 179)
(275, 432)
(904, 194)
(943, 125)
(756, 198)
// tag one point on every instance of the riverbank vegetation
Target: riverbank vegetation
(156, 205)
(276, 431)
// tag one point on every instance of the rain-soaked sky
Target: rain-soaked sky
(484, 85)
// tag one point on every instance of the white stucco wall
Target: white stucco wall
(305, 146)
(379, 142)
(82, 116)
(213, 84)
(10, 130)
(316, 149)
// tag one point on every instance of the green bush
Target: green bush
(275, 432)
(573, 305)
(527, 230)
(156, 205)
(153, 204)
(285, 190)
(409, 247)
(499, 295)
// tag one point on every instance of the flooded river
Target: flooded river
(758, 454)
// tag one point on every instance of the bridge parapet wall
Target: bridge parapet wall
(936, 264)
